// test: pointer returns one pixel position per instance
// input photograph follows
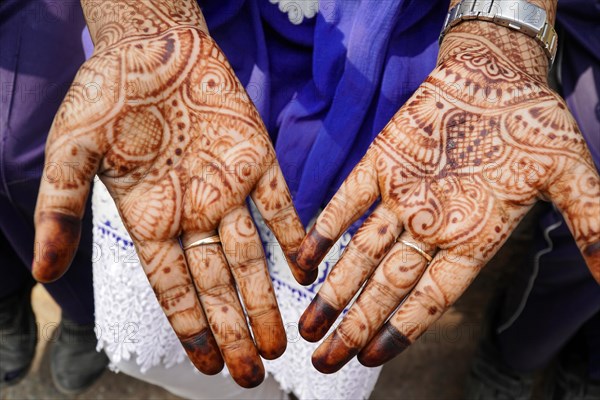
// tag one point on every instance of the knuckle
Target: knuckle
(381, 294)
(246, 268)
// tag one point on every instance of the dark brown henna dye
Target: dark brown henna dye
(56, 248)
(592, 250)
(273, 352)
(317, 319)
(313, 250)
(306, 279)
(270, 338)
(333, 354)
(388, 343)
(204, 353)
(248, 372)
(303, 277)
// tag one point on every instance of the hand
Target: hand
(170, 131)
(456, 169)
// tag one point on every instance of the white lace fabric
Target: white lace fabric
(297, 10)
(131, 324)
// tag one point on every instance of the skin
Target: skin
(455, 170)
(159, 115)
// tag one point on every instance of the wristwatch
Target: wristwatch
(515, 14)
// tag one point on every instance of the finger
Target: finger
(352, 200)
(577, 195)
(244, 252)
(274, 202)
(217, 293)
(167, 271)
(445, 279)
(364, 252)
(395, 277)
(70, 164)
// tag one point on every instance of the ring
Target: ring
(415, 247)
(208, 240)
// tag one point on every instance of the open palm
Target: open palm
(456, 169)
(170, 131)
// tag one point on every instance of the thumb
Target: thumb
(70, 165)
(577, 196)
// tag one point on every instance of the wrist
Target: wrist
(516, 47)
(111, 21)
(489, 22)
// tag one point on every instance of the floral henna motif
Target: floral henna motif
(159, 115)
(110, 21)
(456, 169)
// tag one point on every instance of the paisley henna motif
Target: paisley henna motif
(159, 115)
(456, 169)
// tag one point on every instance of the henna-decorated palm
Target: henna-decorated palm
(168, 128)
(456, 169)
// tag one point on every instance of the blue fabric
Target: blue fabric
(40, 53)
(578, 23)
(366, 58)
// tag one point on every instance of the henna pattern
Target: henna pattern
(159, 115)
(456, 169)
(109, 21)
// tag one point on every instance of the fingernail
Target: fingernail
(313, 249)
(303, 277)
(332, 355)
(56, 243)
(270, 337)
(307, 278)
(247, 370)
(317, 319)
(388, 343)
(204, 353)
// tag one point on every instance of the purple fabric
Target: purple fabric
(578, 22)
(40, 53)
(365, 61)
(39, 57)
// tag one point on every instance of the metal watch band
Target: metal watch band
(515, 14)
